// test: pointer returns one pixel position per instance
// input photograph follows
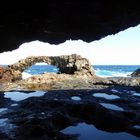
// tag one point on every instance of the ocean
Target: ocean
(100, 70)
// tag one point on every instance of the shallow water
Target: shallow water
(18, 96)
(14, 104)
(3, 109)
(3, 121)
(85, 131)
(137, 126)
(136, 94)
(76, 98)
(106, 96)
(112, 106)
(90, 132)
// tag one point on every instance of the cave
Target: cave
(46, 116)
(55, 22)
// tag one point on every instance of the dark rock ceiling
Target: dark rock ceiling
(57, 21)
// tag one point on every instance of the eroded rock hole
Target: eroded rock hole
(39, 68)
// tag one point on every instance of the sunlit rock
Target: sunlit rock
(69, 64)
(8, 75)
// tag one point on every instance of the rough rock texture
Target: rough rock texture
(74, 72)
(45, 117)
(125, 81)
(68, 64)
(136, 73)
(56, 21)
(8, 75)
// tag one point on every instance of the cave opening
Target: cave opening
(109, 56)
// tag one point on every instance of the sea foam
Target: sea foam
(26, 75)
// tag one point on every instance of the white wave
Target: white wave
(55, 69)
(107, 73)
(26, 75)
(41, 63)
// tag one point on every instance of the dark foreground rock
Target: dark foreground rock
(44, 118)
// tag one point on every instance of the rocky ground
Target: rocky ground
(43, 118)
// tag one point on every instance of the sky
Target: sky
(122, 48)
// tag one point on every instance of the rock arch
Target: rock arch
(68, 64)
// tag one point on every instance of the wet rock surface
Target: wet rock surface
(43, 118)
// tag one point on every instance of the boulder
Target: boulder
(136, 73)
(8, 75)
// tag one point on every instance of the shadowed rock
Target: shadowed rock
(44, 117)
(55, 21)
(136, 73)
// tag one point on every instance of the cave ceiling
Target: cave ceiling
(57, 21)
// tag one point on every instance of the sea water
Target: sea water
(115, 70)
(100, 70)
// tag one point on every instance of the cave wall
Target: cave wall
(57, 21)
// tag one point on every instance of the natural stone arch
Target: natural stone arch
(68, 64)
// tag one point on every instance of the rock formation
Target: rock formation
(8, 75)
(68, 64)
(74, 72)
(55, 21)
(136, 73)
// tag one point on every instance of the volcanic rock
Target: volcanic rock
(136, 73)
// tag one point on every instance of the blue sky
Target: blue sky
(122, 48)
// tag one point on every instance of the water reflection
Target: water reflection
(54, 114)
(19, 96)
(106, 96)
(112, 107)
(136, 94)
(76, 98)
(90, 132)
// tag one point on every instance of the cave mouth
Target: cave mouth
(109, 51)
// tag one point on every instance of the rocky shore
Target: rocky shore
(42, 106)
(74, 72)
